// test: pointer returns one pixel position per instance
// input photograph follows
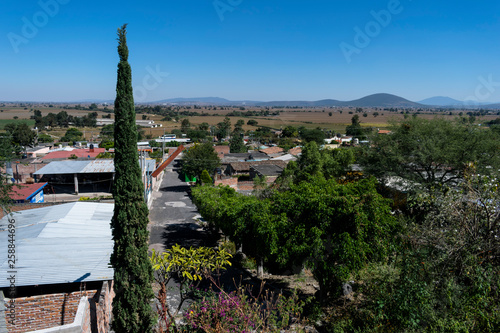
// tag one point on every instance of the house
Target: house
(243, 168)
(243, 157)
(143, 123)
(89, 175)
(273, 151)
(269, 171)
(32, 193)
(37, 151)
(67, 152)
(61, 271)
(287, 158)
(221, 151)
(296, 151)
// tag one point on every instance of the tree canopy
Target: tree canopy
(432, 153)
(330, 227)
(198, 158)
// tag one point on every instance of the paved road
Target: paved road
(173, 215)
(172, 219)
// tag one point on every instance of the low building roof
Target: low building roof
(58, 244)
(295, 151)
(245, 166)
(268, 169)
(243, 157)
(272, 150)
(71, 167)
(25, 191)
(80, 153)
(286, 157)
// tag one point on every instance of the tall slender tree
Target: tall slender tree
(133, 273)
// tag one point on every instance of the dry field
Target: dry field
(310, 118)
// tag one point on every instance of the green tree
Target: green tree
(236, 144)
(45, 138)
(334, 229)
(185, 125)
(315, 162)
(198, 158)
(355, 128)
(133, 273)
(238, 127)
(224, 128)
(290, 132)
(431, 153)
(22, 136)
(204, 126)
(108, 131)
(197, 135)
(252, 122)
(205, 177)
(72, 134)
(6, 156)
(308, 135)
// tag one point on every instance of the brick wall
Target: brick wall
(24, 171)
(245, 186)
(231, 182)
(45, 311)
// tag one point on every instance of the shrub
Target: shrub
(239, 311)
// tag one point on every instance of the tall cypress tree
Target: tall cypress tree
(133, 275)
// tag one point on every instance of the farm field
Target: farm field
(310, 118)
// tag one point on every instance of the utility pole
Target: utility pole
(163, 145)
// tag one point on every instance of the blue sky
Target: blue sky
(65, 50)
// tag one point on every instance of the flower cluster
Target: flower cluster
(238, 311)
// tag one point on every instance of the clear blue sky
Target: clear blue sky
(251, 49)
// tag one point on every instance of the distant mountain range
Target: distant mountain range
(375, 100)
(447, 102)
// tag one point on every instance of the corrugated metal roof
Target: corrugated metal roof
(99, 166)
(59, 244)
(71, 167)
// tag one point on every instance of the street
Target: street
(172, 215)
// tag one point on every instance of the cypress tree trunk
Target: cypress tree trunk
(133, 273)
